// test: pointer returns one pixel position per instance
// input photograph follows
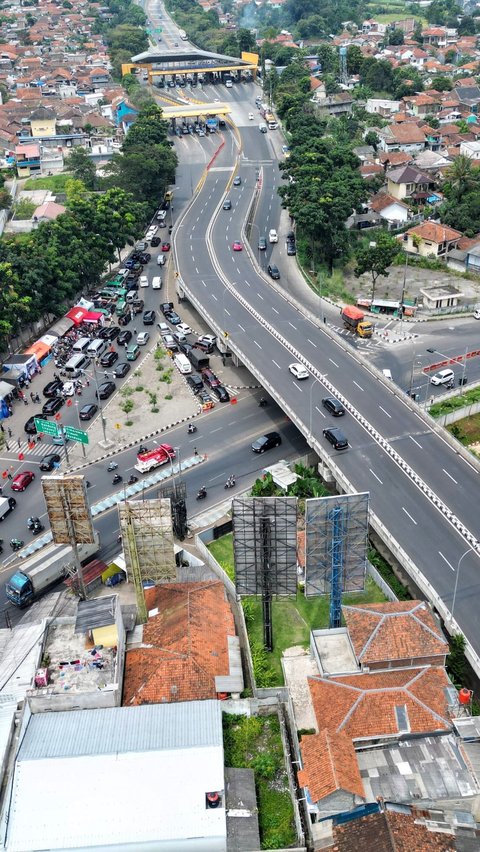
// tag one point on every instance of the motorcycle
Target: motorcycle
(112, 466)
(132, 478)
(32, 522)
(142, 449)
(37, 528)
(16, 543)
(191, 428)
(116, 479)
(230, 483)
(263, 402)
(202, 493)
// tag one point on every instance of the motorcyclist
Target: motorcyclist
(191, 428)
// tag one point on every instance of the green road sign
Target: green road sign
(46, 427)
(76, 434)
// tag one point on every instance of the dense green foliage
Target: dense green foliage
(461, 209)
(124, 32)
(204, 30)
(376, 257)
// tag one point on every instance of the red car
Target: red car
(237, 246)
(165, 246)
(22, 480)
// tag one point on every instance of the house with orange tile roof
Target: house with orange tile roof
(377, 707)
(430, 240)
(391, 830)
(407, 137)
(395, 634)
(188, 650)
(330, 775)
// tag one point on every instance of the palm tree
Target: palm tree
(462, 176)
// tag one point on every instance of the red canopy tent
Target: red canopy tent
(79, 315)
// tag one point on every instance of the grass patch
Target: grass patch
(222, 551)
(467, 430)
(455, 402)
(56, 183)
(255, 743)
(24, 209)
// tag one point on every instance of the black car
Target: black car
(291, 249)
(145, 257)
(52, 389)
(204, 395)
(124, 337)
(48, 462)
(195, 382)
(336, 438)
(52, 406)
(131, 283)
(205, 346)
(88, 411)
(266, 442)
(273, 271)
(333, 406)
(121, 370)
(30, 427)
(148, 317)
(221, 393)
(109, 333)
(227, 204)
(186, 348)
(262, 243)
(105, 390)
(166, 307)
(155, 241)
(108, 360)
(173, 318)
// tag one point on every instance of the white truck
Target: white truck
(7, 505)
(35, 574)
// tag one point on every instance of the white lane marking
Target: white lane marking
(257, 344)
(214, 297)
(415, 442)
(311, 341)
(277, 365)
(320, 411)
(375, 475)
(260, 296)
(203, 282)
(247, 282)
(335, 364)
(298, 387)
(450, 476)
(227, 312)
(446, 560)
(358, 386)
(241, 326)
(293, 326)
(196, 270)
(385, 412)
(275, 310)
(409, 516)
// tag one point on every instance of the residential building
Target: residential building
(390, 830)
(48, 211)
(391, 209)
(42, 123)
(341, 104)
(409, 182)
(382, 106)
(430, 239)
(407, 137)
(330, 774)
(28, 159)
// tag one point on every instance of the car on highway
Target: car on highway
(262, 243)
(50, 461)
(273, 271)
(183, 328)
(105, 390)
(251, 116)
(121, 370)
(237, 180)
(205, 346)
(149, 317)
(145, 257)
(109, 359)
(272, 236)
(30, 427)
(195, 382)
(298, 370)
(333, 406)
(266, 442)
(170, 342)
(22, 480)
(210, 378)
(291, 249)
(163, 328)
(88, 411)
(155, 241)
(444, 377)
(143, 281)
(221, 393)
(336, 438)
(68, 389)
(142, 338)
(173, 318)
(209, 339)
(227, 204)
(237, 246)
(109, 333)
(52, 406)
(52, 388)
(124, 337)
(165, 246)
(161, 260)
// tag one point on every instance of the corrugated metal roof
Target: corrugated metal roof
(98, 612)
(118, 730)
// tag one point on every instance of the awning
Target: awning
(79, 315)
(61, 327)
(39, 349)
(5, 389)
(94, 316)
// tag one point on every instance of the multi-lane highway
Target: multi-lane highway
(265, 330)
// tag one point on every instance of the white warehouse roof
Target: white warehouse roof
(118, 778)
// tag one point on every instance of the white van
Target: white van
(182, 363)
(81, 344)
(157, 282)
(76, 365)
(161, 216)
(97, 347)
(161, 259)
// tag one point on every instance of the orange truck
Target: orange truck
(354, 319)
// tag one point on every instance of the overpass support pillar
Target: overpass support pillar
(325, 472)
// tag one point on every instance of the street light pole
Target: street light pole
(470, 550)
(102, 419)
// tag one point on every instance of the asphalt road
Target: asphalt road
(424, 534)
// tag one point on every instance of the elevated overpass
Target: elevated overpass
(191, 62)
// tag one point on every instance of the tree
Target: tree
(82, 167)
(125, 37)
(355, 59)
(441, 83)
(376, 258)
(372, 139)
(461, 177)
(148, 129)
(396, 36)
(5, 199)
(145, 171)
(467, 26)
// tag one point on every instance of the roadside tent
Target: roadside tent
(61, 327)
(5, 389)
(40, 350)
(20, 365)
(77, 315)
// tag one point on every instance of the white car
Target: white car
(444, 377)
(299, 371)
(210, 339)
(143, 338)
(161, 259)
(68, 389)
(143, 281)
(164, 328)
(251, 116)
(272, 236)
(183, 328)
